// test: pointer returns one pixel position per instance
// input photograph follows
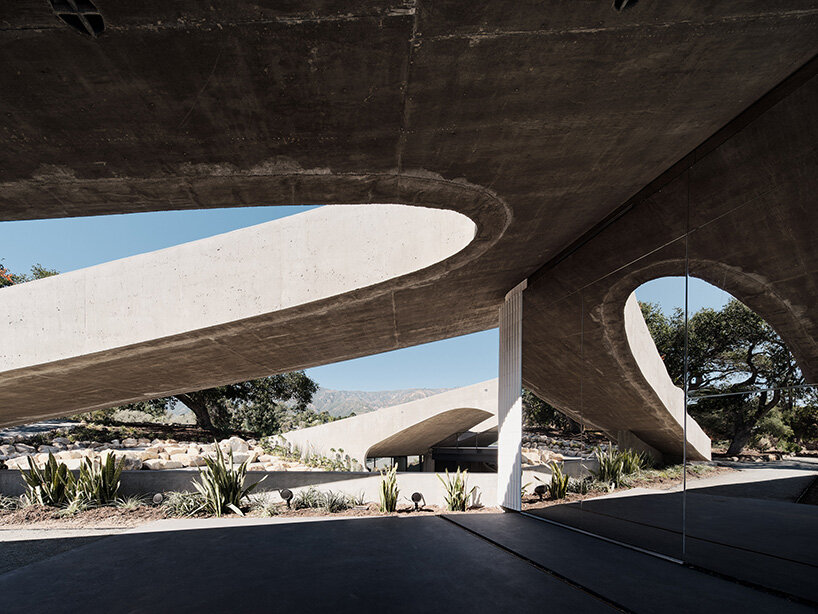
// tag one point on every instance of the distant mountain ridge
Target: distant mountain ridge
(341, 403)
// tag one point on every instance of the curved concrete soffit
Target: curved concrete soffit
(630, 342)
(330, 254)
(426, 433)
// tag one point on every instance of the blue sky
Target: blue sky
(75, 243)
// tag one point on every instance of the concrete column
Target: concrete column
(510, 402)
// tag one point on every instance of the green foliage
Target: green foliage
(457, 493)
(610, 467)
(52, 485)
(130, 503)
(559, 482)
(335, 502)
(540, 414)
(329, 501)
(38, 271)
(340, 462)
(98, 482)
(633, 461)
(9, 504)
(729, 350)
(222, 486)
(183, 503)
(309, 498)
(581, 487)
(265, 506)
(72, 508)
(389, 490)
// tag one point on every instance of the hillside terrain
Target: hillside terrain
(341, 403)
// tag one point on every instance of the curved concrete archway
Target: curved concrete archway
(405, 429)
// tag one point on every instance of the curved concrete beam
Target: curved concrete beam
(406, 429)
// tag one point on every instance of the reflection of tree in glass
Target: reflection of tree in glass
(732, 350)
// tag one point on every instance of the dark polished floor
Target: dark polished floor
(767, 542)
(470, 563)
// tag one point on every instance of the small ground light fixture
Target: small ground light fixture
(539, 490)
(158, 498)
(416, 499)
(287, 495)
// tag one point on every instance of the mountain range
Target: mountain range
(341, 403)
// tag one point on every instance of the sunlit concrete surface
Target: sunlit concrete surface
(406, 429)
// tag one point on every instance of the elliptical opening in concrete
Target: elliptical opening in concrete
(80, 15)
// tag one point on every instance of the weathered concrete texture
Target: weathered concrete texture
(536, 123)
(406, 429)
(750, 230)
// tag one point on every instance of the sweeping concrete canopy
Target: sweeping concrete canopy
(564, 131)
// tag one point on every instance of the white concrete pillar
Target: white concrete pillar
(510, 402)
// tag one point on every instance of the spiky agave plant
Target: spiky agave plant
(54, 484)
(389, 490)
(222, 486)
(456, 485)
(98, 482)
(559, 482)
(610, 470)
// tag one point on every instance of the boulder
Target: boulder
(172, 464)
(130, 442)
(47, 449)
(256, 467)
(196, 460)
(8, 449)
(148, 454)
(175, 450)
(184, 459)
(154, 463)
(266, 458)
(24, 448)
(238, 445)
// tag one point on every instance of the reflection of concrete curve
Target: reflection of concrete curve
(407, 429)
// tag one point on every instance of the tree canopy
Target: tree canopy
(735, 354)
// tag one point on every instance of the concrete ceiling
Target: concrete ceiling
(537, 120)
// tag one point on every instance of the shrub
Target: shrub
(183, 503)
(9, 504)
(389, 490)
(265, 506)
(335, 502)
(51, 485)
(307, 499)
(98, 482)
(610, 467)
(222, 487)
(331, 502)
(633, 461)
(559, 482)
(130, 503)
(457, 495)
(578, 486)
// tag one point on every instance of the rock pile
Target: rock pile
(542, 449)
(146, 454)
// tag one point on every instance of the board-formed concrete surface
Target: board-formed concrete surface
(406, 429)
(572, 135)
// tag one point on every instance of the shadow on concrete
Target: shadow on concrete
(767, 542)
(17, 554)
(353, 565)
